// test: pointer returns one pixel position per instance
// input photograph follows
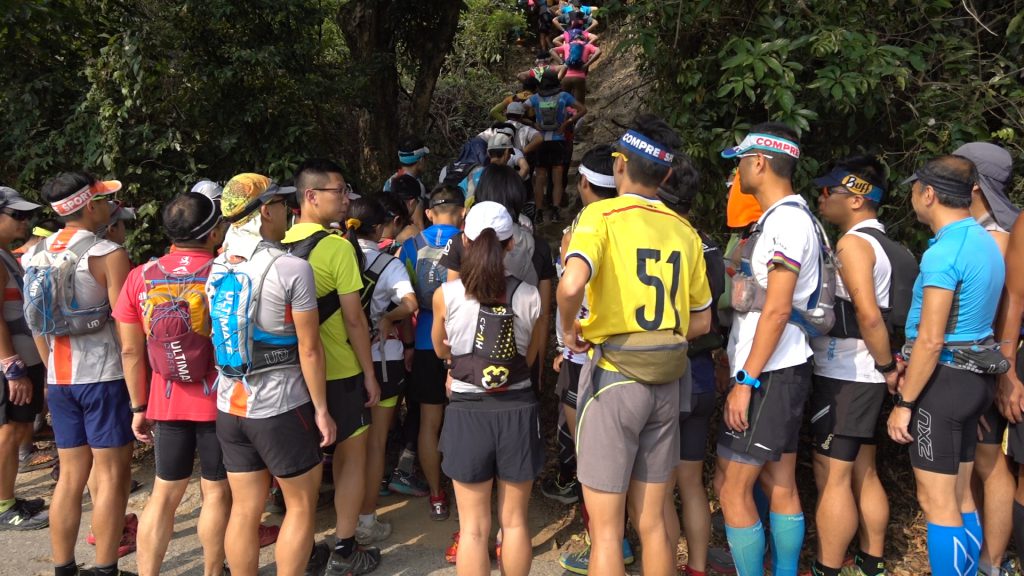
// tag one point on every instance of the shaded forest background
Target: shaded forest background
(161, 92)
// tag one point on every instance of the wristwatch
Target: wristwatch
(901, 403)
(139, 409)
(886, 368)
(745, 379)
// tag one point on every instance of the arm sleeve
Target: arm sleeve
(127, 307)
(527, 303)
(937, 270)
(589, 238)
(397, 281)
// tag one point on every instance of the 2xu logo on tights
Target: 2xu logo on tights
(924, 435)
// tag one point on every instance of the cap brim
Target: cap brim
(106, 187)
(913, 178)
(1004, 211)
(354, 196)
(731, 152)
(22, 205)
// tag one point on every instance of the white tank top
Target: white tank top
(848, 358)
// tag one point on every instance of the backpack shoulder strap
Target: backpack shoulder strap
(13, 269)
(303, 248)
(512, 284)
(380, 264)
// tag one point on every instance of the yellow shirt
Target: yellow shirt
(647, 267)
(335, 270)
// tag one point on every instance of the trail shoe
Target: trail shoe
(33, 505)
(627, 552)
(384, 489)
(564, 493)
(576, 562)
(439, 507)
(362, 561)
(318, 559)
(22, 518)
(376, 532)
(405, 483)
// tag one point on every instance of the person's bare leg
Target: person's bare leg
(474, 502)
(992, 468)
(349, 483)
(156, 524)
(558, 185)
(696, 514)
(296, 538)
(516, 548)
(646, 502)
(376, 444)
(241, 540)
(837, 509)
(213, 523)
(540, 186)
(12, 435)
(431, 416)
(66, 505)
(871, 502)
(734, 482)
(112, 476)
(672, 526)
(607, 512)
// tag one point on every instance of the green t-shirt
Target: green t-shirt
(336, 271)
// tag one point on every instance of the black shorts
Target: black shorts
(176, 443)
(775, 415)
(844, 415)
(552, 153)
(395, 384)
(569, 380)
(346, 402)
(287, 445)
(27, 412)
(996, 425)
(1015, 432)
(694, 426)
(426, 383)
(489, 436)
(945, 422)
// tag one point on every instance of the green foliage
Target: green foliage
(904, 80)
(485, 31)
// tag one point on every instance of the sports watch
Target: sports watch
(742, 377)
(901, 403)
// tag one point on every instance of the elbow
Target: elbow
(131, 352)
(928, 344)
(778, 315)
(869, 321)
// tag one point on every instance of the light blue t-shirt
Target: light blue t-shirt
(964, 259)
(565, 100)
(437, 235)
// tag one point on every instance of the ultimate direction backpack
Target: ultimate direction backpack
(176, 320)
(241, 347)
(747, 295)
(901, 293)
(574, 55)
(547, 113)
(429, 273)
(50, 306)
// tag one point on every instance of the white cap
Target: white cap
(499, 141)
(491, 215)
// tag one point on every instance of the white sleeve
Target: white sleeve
(396, 279)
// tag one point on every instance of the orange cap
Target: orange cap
(742, 210)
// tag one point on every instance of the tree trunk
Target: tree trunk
(432, 51)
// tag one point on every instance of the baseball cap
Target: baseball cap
(208, 188)
(78, 200)
(995, 172)
(491, 215)
(852, 182)
(245, 193)
(515, 108)
(766, 142)
(9, 198)
(499, 141)
(120, 212)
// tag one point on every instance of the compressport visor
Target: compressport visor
(766, 142)
(640, 145)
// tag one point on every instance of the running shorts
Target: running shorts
(694, 426)
(346, 402)
(775, 415)
(286, 445)
(427, 380)
(569, 382)
(176, 443)
(945, 421)
(25, 413)
(844, 415)
(97, 415)
(395, 384)
(552, 153)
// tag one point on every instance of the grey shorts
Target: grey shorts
(625, 430)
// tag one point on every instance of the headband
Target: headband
(602, 180)
(648, 149)
(853, 183)
(756, 141)
(78, 200)
(414, 156)
(941, 183)
(41, 232)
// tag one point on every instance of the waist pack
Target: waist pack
(980, 357)
(653, 357)
(494, 361)
(50, 307)
(241, 347)
(176, 320)
(748, 296)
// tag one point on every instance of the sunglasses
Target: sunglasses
(620, 155)
(17, 215)
(749, 154)
(279, 200)
(344, 191)
(834, 191)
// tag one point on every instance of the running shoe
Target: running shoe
(376, 532)
(407, 484)
(362, 561)
(33, 505)
(37, 459)
(627, 552)
(128, 534)
(384, 490)
(318, 559)
(439, 507)
(23, 518)
(268, 534)
(93, 572)
(453, 548)
(576, 562)
(564, 493)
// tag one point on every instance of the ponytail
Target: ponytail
(352, 226)
(483, 268)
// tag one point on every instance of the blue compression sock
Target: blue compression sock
(948, 550)
(787, 539)
(762, 502)
(747, 547)
(972, 525)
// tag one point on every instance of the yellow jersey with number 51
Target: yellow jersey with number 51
(646, 264)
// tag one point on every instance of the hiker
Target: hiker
(541, 64)
(398, 219)
(549, 108)
(352, 387)
(43, 229)
(412, 153)
(570, 17)
(176, 399)
(527, 139)
(642, 268)
(949, 378)
(87, 397)
(407, 189)
(578, 56)
(482, 328)
(116, 230)
(266, 338)
(24, 375)
(529, 88)
(572, 34)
